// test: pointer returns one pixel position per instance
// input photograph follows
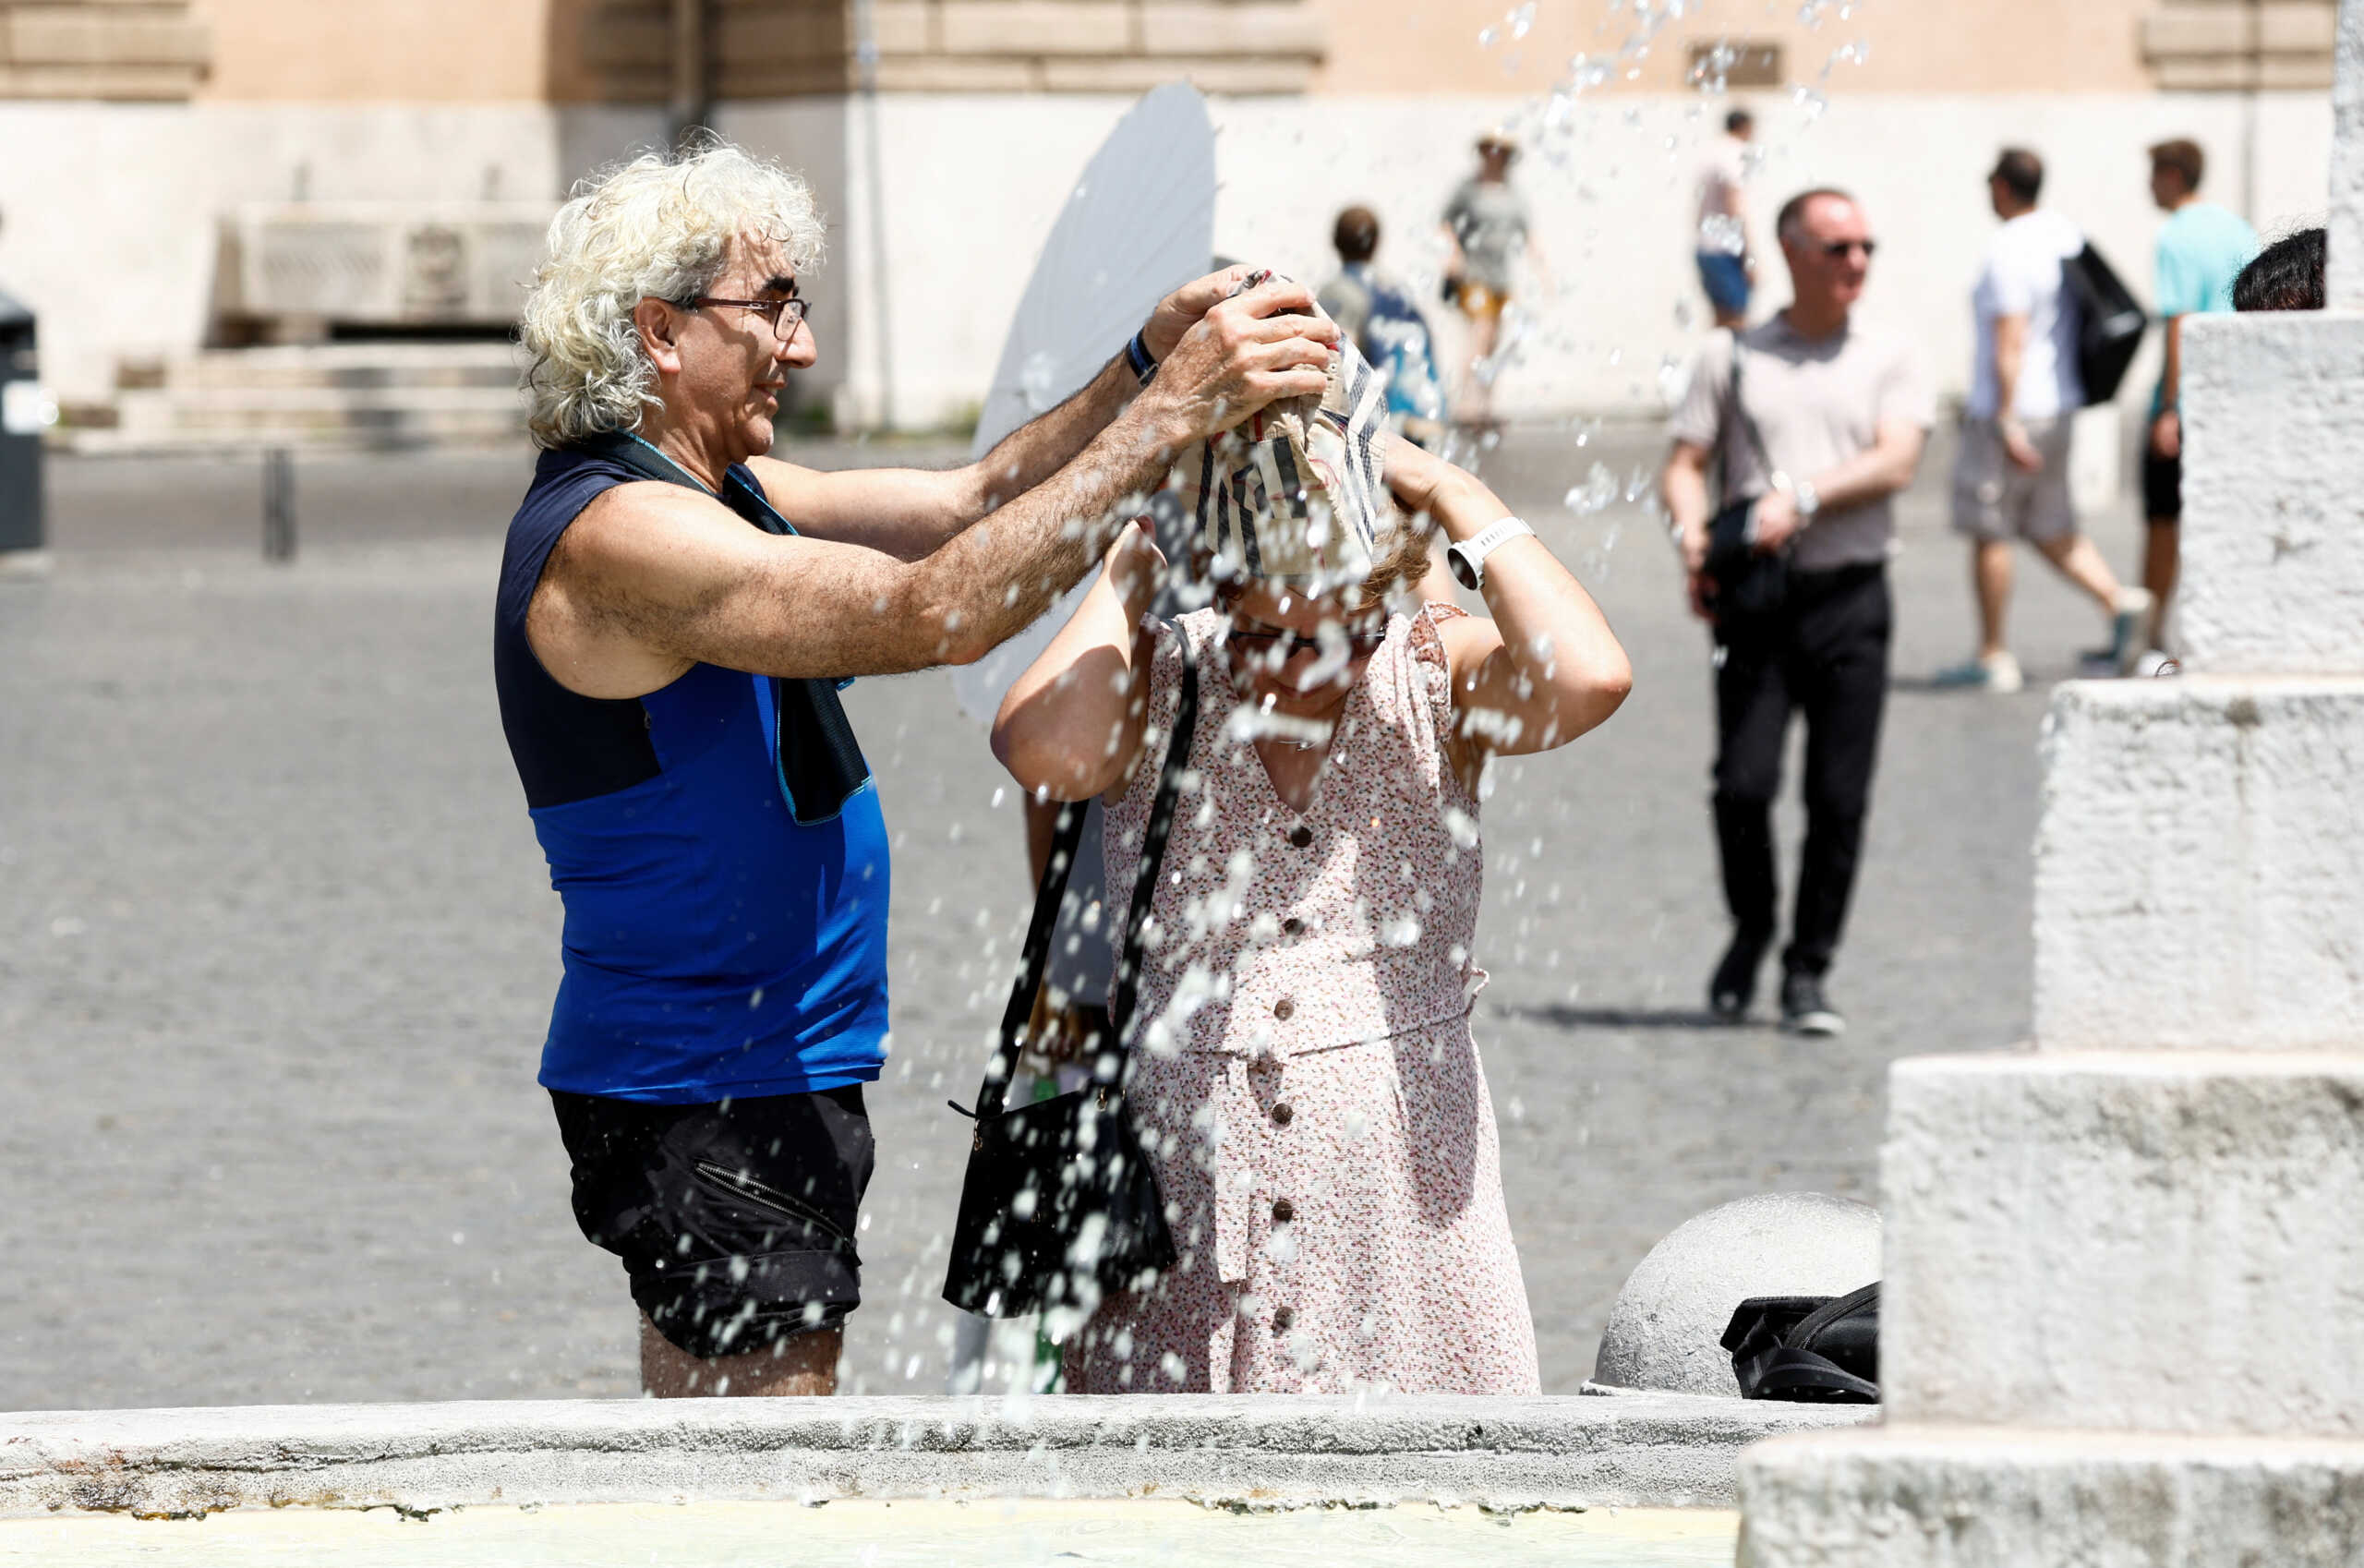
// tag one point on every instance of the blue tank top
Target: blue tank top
(715, 946)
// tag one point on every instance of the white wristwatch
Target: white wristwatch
(1467, 560)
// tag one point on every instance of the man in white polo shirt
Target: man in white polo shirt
(2011, 479)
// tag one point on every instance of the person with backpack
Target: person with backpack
(1377, 312)
(2012, 479)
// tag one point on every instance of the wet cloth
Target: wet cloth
(1305, 1078)
(1298, 493)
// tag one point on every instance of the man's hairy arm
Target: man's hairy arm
(908, 512)
(680, 580)
(652, 578)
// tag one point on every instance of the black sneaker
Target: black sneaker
(1734, 985)
(1805, 1010)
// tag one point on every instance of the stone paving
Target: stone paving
(277, 945)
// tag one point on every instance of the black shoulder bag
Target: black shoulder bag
(2110, 323)
(1749, 581)
(1060, 1207)
(1815, 1349)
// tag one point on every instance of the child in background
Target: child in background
(1303, 1075)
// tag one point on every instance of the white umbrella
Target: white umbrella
(1139, 224)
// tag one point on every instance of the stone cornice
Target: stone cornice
(793, 48)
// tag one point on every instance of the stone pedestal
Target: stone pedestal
(2123, 1309)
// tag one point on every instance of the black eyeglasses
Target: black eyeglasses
(785, 315)
(1839, 247)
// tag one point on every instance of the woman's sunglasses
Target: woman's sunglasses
(1361, 644)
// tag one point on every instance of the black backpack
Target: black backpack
(2110, 324)
(1815, 1349)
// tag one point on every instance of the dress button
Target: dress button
(1283, 1008)
(1292, 926)
(1283, 1114)
(1300, 836)
(1282, 1212)
(1282, 1319)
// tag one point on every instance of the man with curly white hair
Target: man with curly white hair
(676, 615)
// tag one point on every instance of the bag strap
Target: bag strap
(1747, 426)
(1161, 826)
(1802, 1336)
(1067, 834)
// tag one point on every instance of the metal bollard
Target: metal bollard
(278, 504)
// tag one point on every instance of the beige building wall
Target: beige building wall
(377, 51)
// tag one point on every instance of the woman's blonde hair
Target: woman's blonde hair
(656, 227)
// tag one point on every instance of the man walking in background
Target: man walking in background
(1727, 268)
(1815, 423)
(2012, 479)
(2201, 248)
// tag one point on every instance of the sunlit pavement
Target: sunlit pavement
(276, 947)
(889, 1535)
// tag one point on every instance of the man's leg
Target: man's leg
(804, 1364)
(1842, 687)
(1990, 576)
(2074, 557)
(2162, 542)
(1752, 718)
(2162, 557)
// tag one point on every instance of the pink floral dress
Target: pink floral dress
(1304, 1076)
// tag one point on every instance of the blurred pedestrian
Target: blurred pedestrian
(2202, 246)
(676, 614)
(1486, 219)
(1727, 262)
(1380, 315)
(1304, 1076)
(2286, 275)
(1815, 423)
(2011, 476)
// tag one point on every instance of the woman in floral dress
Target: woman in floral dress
(1303, 1075)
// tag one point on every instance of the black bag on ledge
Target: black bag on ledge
(1058, 1192)
(1814, 1349)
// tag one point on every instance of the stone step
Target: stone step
(1904, 1496)
(2152, 1241)
(300, 417)
(2198, 882)
(338, 365)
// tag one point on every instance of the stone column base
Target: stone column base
(1895, 1496)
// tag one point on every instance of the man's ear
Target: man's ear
(657, 323)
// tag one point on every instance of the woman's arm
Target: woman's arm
(1546, 667)
(1071, 726)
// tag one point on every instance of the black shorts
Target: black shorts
(735, 1221)
(2162, 487)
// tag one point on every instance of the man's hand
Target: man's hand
(2166, 435)
(1183, 309)
(1775, 520)
(1697, 584)
(1246, 353)
(2017, 446)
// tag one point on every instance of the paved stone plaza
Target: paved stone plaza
(277, 945)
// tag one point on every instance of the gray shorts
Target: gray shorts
(1996, 499)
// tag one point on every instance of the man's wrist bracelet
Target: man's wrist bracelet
(1137, 354)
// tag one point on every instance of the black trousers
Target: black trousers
(1825, 655)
